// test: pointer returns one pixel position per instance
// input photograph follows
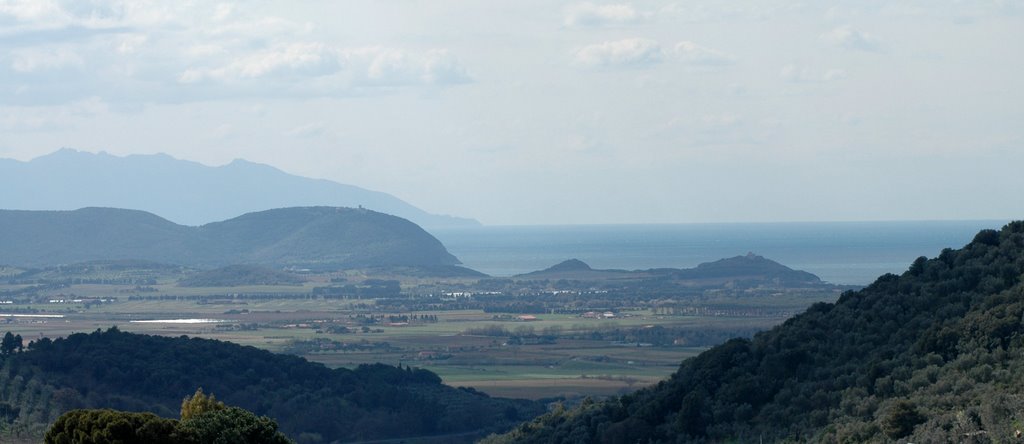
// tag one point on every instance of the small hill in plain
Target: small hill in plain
(748, 270)
(303, 237)
(749, 266)
(569, 265)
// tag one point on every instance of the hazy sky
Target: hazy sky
(546, 111)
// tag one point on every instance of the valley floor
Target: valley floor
(555, 355)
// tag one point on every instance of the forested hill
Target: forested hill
(312, 403)
(310, 237)
(933, 355)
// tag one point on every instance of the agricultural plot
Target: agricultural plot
(539, 342)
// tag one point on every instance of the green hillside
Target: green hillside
(305, 237)
(312, 403)
(933, 355)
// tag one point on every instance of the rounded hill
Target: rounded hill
(304, 237)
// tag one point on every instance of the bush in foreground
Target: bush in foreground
(204, 420)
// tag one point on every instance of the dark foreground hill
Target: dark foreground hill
(184, 192)
(933, 355)
(312, 403)
(310, 237)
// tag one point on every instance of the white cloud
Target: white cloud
(707, 12)
(310, 59)
(131, 43)
(805, 74)
(204, 50)
(709, 122)
(692, 53)
(34, 118)
(380, 66)
(253, 29)
(33, 10)
(440, 67)
(312, 129)
(629, 52)
(94, 15)
(223, 11)
(30, 60)
(834, 74)
(851, 38)
(719, 122)
(589, 14)
(307, 58)
(639, 52)
(711, 130)
(148, 50)
(369, 66)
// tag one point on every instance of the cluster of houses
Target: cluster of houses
(456, 295)
(79, 300)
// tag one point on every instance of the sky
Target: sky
(549, 112)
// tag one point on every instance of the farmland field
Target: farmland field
(538, 356)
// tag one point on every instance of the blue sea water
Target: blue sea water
(853, 253)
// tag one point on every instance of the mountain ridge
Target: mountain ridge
(309, 237)
(183, 191)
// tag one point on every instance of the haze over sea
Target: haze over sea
(853, 253)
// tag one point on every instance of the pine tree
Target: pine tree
(8, 345)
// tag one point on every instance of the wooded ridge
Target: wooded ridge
(933, 355)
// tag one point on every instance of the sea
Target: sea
(846, 253)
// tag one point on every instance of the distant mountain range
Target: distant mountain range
(307, 237)
(185, 192)
(749, 269)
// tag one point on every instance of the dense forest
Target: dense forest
(933, 355)
(124, 371)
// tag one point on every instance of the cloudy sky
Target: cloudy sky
(527, 112)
